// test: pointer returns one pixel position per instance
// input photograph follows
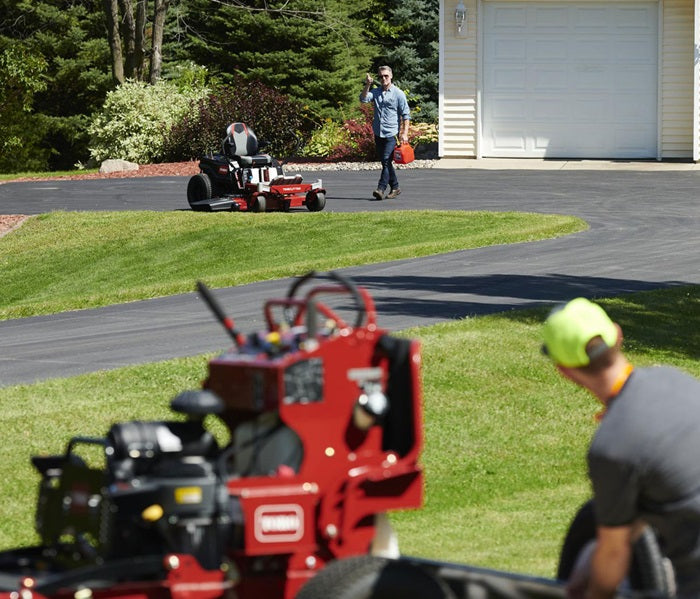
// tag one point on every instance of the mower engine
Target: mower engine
(158, 493)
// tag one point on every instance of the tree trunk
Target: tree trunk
(140, 50)
(115, 41)
(160, 8)
(129, 36)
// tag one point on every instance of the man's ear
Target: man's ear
(573, 374)
(564, 371)
(620, 336)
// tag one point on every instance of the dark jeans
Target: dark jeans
(385, 153)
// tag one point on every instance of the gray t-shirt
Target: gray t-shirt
(644, 462)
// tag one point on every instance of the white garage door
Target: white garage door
(570, 80)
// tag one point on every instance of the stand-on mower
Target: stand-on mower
(239, 178)
(324, 417)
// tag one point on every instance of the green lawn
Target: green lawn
(505, 434)
(64, 261)
(44, 175)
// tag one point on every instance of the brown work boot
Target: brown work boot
(393, 193)
(379, 194)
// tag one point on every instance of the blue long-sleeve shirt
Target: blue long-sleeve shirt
(390, 108)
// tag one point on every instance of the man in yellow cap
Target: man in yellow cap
(644, 459)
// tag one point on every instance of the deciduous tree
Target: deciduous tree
(21, 76)
(130, 46)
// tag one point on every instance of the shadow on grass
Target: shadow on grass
(654, 316)
(659, 322)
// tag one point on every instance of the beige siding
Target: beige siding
(696, 83)
(676, 79)
(458, 83)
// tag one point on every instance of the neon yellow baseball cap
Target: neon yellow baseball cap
(570, 327)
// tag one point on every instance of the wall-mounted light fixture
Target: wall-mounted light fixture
(461, 18)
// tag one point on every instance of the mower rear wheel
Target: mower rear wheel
(370, 577)
(315, 201)
(199, 188)
(259, 204)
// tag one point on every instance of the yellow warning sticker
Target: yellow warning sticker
(188, 495)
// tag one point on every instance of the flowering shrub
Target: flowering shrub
(357, 140)
(274, 118)
(323, 140)
(135, 119)
(354, 139)
(422, 133)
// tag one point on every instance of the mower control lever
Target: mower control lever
(215, 307)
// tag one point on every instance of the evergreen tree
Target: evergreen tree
(68, 37)
(410, 45)
(312, 50)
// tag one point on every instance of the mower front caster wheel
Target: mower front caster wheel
(260, 204)
(315, 201)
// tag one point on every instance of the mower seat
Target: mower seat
(241, 144)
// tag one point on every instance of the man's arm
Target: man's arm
(365, 96)
(611, 560)
(404, 130)
(405, 113)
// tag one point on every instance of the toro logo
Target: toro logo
(278, 523)
(291, 188)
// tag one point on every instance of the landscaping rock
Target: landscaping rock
(115, 166)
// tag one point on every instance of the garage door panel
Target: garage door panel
(641, 19)
(508, 79)
(588, 110)
(550, 109)
(508, 109)
(591, 19)
(633, 139)
(633, 112)
(633, 79)
(549, 50)
(554, 79)
(508, 48)
(510, 17)
(549, 17)
(509, 140)
(570, 79)
(593, 48)
(634, 51)
(588, 78)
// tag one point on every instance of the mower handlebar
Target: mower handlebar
(364, 305)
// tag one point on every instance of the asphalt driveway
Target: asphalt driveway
(643, 235)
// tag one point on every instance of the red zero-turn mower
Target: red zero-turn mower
(324, 411)
(241, 179)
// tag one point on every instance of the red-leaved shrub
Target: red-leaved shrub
(276, 119)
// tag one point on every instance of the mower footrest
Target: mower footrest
(216, 204)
